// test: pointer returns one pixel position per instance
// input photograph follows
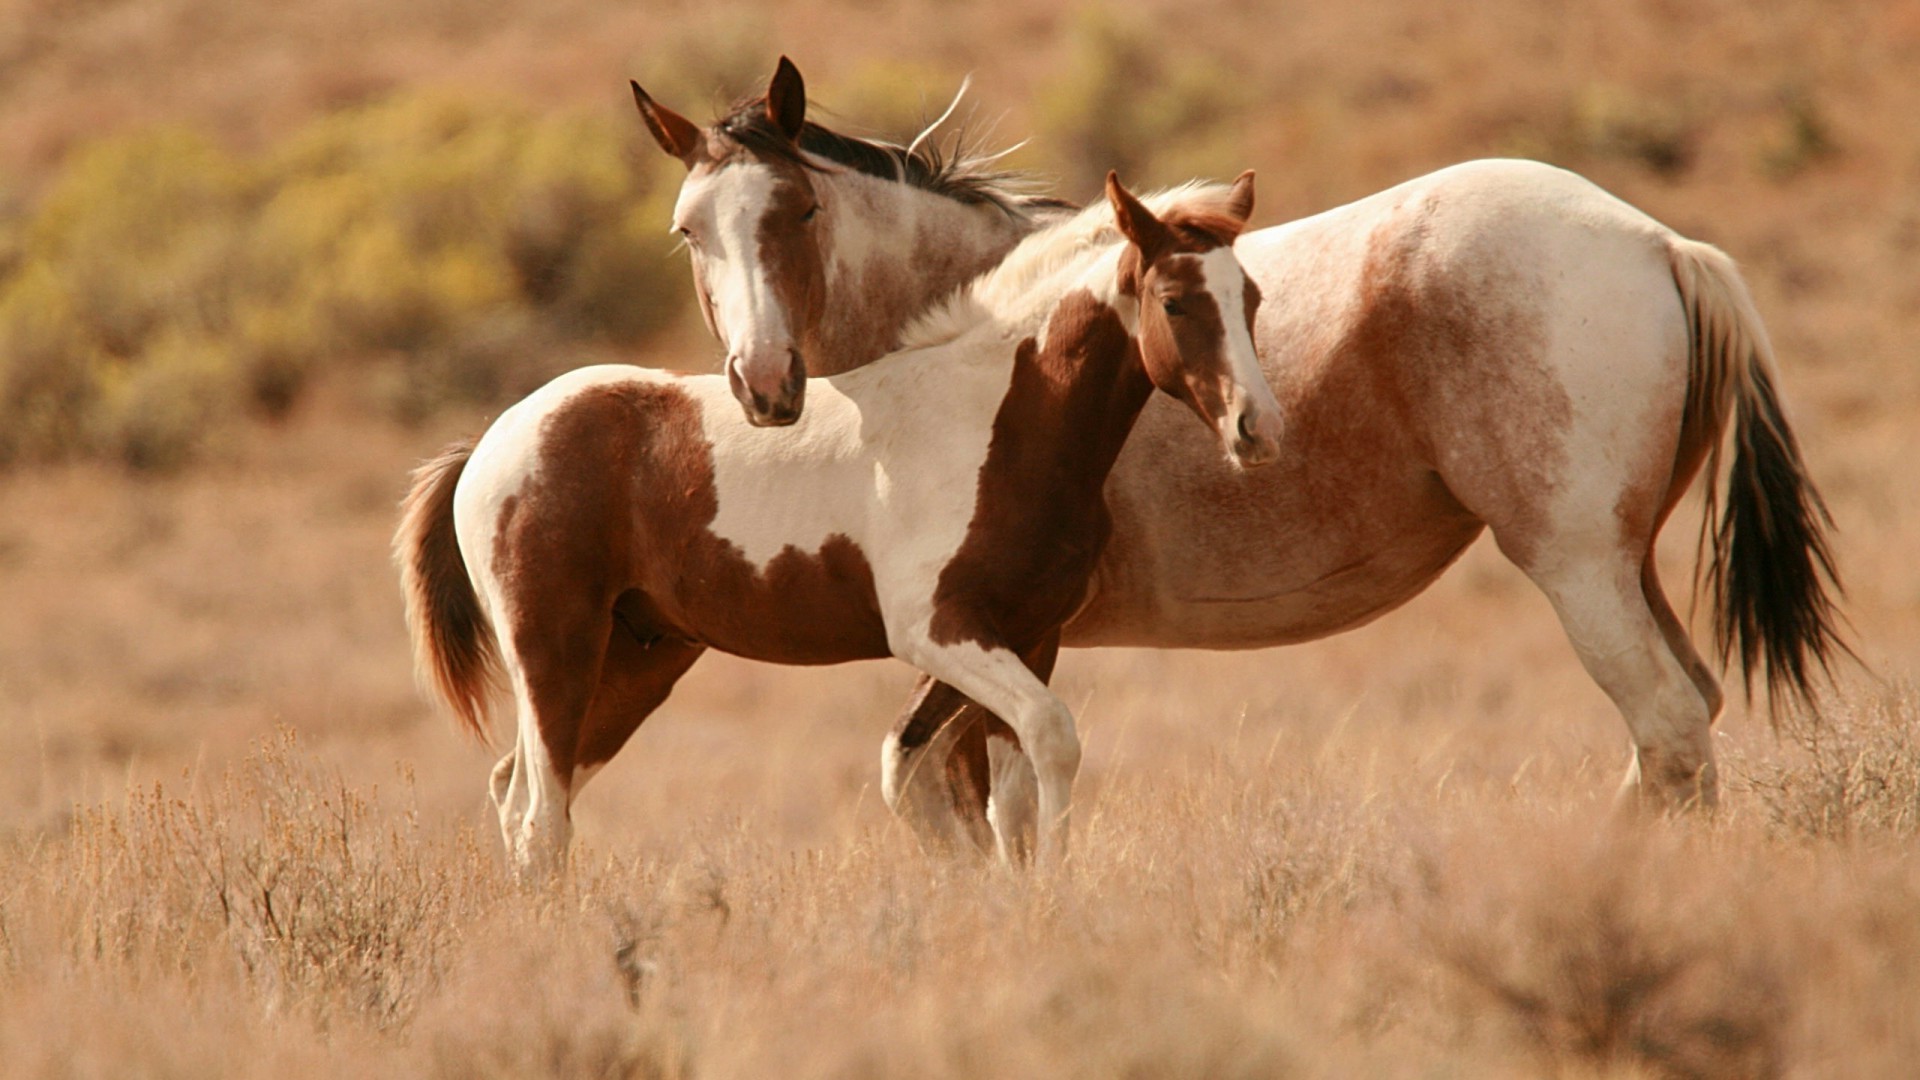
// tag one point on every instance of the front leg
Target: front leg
(945, 755)
(1000, 680)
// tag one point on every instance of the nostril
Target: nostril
(1246, 431)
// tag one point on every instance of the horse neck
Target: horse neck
(897, 250)
(1075, 393)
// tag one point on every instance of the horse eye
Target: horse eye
(685, 234)
(1172, 306)
(808, 216)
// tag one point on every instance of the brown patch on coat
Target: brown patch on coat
(612, 536)
(1039, 521)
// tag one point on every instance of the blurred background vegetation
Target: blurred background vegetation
(445, 248)
(193, 264)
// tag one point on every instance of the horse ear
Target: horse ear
(675, 133)
(787, 99)
(1240, 197)
(1137, 223)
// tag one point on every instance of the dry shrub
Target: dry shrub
(539, 995)
(1612, 953)
(326, 904)
(1853, 773)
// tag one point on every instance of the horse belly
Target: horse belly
(800, 608)
(1203, 555)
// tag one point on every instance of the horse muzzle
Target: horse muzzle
(1256, 438)
(771, 392)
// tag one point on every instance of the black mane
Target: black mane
(956, 175)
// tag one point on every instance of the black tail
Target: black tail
(1768, 565)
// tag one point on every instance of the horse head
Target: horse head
(751, 215)
(1196, 314)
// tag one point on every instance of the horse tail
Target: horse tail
(1765, 560)
(454, 652)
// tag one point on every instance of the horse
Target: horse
(838, 216)
(943, 505)
(1499, 345)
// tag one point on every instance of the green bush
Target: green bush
(163, 286)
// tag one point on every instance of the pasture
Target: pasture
(236, 841)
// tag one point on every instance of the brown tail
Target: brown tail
(454, 651)
(1766, 561)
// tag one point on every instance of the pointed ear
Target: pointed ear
(1240, 197)
(787, 99)
(1137, 222)
(675, 133)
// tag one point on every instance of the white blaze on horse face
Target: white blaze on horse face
(1251, 426)
(720, 213)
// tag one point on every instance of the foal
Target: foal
(943, 505)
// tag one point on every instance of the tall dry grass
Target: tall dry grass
(1234, 917)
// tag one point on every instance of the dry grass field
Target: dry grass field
(234, 841)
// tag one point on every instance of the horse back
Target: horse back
(613, 508)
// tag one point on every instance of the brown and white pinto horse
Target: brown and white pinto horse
(943, 505)
(1500, 344)
(779, 214)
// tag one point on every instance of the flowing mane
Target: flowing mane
(1009, 289)
(961, 172)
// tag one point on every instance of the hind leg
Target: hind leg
(1680, 642)
(1625, 644)
(570, 738)
(1014, 803)
(635, 680)
(933, 770)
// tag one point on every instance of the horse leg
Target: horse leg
(1680, 642)
(933, 769)
(553, 658)
(635, 679)
(1013, 799)
(1012, 805)
(571, 739)
(1000, 680)
(1628, 639)
(986, 780)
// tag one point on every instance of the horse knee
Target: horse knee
(1053, 746)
